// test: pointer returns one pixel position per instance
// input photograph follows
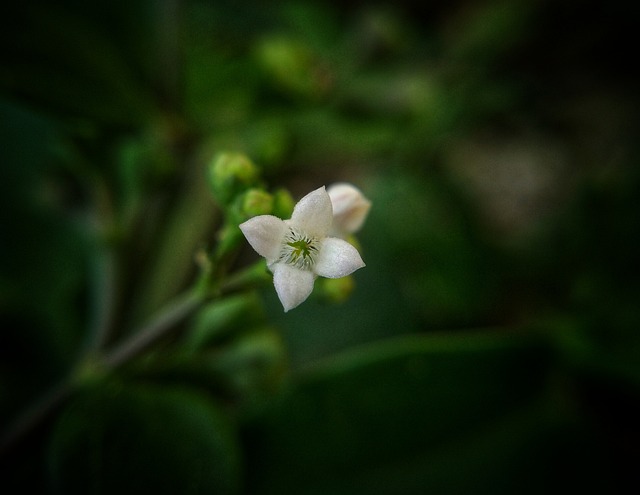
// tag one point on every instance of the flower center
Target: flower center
(299, 250)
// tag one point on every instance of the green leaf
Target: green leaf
(247, 369)
(407, 416)
(222, 318)
(443, 270)
(254, 365)
(144, 439)
(183, 232)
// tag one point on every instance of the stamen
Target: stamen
(299, 249)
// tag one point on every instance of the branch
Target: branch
(158, 327)
(154, 330)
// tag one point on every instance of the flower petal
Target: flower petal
(292, 284)
(265, 234)
(313, 214)
(337, 258)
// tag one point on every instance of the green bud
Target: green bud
(283, 203)
(335, 290)
(251, 203)
(230, 174)
(256, 202)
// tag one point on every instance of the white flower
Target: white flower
(350, 209)
(298, 250)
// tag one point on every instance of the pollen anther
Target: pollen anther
(299, 249)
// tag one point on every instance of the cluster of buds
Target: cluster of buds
(312, 242)
(317, 239)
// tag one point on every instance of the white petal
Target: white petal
(265, 234)
(350, 207)
(337, 258)
(313, 214)
(292, 284)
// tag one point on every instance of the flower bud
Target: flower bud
(283, 203)
(230, 174)
(336, 290)
(350, 208)
(256, 202)
(253, 202)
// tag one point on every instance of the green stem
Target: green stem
(96, 363)
(158, 327)
(253, 276)
(35, 415)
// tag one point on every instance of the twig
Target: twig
(34, 416)
(154, 330)
(137, 343)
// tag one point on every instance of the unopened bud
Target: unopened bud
(230, 174)
(335, 290)
(256, 202)
(350, 208)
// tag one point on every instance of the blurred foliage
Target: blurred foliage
(117, 439)
(492, 343)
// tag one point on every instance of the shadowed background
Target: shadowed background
(491, 345)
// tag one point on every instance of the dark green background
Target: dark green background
(492, 342)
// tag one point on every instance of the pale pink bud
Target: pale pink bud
(350, 208)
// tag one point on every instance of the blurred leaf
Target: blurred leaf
(222, 318)
(440, 265)
(488, 30)
(396, 95)
(402, 404)
(142, 163)
(293, 67)
(44, 255)
(246, 369)
(326, 138)
(183, 231)
(254, 365)
(269, 141)
(317, 22)
(144, 439)
(70, 66)
(221, 80)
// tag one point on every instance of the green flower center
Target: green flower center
(299, 250)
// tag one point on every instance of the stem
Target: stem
(137, 343)
(35, 415)
(158, 327)
(253, 276)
